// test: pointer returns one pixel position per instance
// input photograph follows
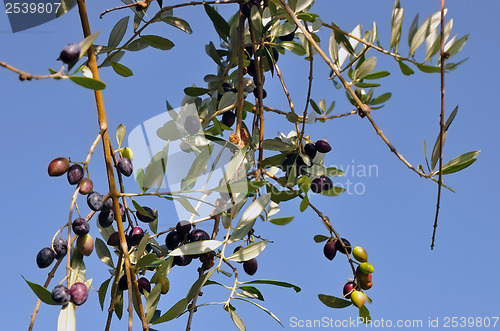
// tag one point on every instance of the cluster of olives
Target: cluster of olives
(183, 234)
(77, 293)
(364, 270)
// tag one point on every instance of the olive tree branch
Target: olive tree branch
(326, 222)
(362, 107)
(441, 128)
(27, 76)
(108, 151)
(309, 89)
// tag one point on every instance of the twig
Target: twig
(240, 101)
(27, 76)
(141, 4)
(441, 131)
(309, 89)
(157, 16)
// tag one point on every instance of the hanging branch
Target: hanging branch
(441, 127)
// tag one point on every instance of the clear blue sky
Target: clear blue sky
(392, 219)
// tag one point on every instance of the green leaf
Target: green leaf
(396, 23)
(333, 302)
(103, 252)
(315, 106)
(173, 312)
(251, 292)
(120, 134)
(341, 39)
(240, 232)
(277, 145)
(457, 45)
(116, 35)
(195, 91)
(121, 70)
(178, 23)
(334, 172)
(254, 210)
(381, 99)
(273, 160)
(294, 47)
(87, 82)
(185, 203)
(275, 283)
(220, 24)
(424, 31)
(197, 247)
(320, 238)
(364, 314)
(249, 252)
(228, 99)
(152, 302)
(102, 292)
(334, 191)
(281, 220)
(435, 150)
(334, 49)
(292, 117)
(304, 203)
(169, 131)
(145, 261)
(237, 320)
(67, 320)
(377, 75)
(196, 287)
(365, 68)
(304, 184)
(428, 69)
(87, 42)
(413, 29)
(137, 45)
(155, 171)
(460, 162)
(41, 292)
(405, 69)
(157, 42)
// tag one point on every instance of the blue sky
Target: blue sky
(392, 219)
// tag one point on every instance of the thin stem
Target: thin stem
(441, 131)
(27, 76)
(240, 97)
(282, 81)
(109, 167)
(309, 90)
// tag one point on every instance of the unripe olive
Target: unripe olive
(127, 152)
(165, 284)
(358, 298)
(366, 268)
(359, 254)
(85, 244)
